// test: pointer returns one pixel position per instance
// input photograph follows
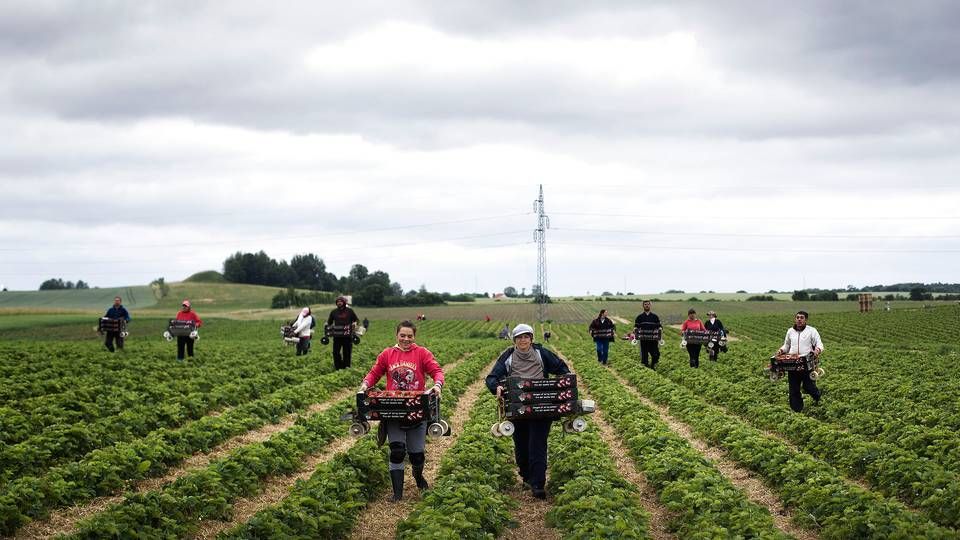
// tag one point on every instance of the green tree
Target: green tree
(510, 292)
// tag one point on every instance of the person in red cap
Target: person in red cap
(186, 314)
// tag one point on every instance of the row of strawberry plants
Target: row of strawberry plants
(822, 497)
(890, 469)
(64, 441)
(206, 494)
(59, 444)
(704, 503)
(107, 470)
(892, 383)
(591, 499)
(114, 388)
(880, 414)
(468, 499)
(327, 504)
(175, 510)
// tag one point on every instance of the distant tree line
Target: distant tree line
(309, 272)
(55, 284)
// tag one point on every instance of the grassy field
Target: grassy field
(134, 297)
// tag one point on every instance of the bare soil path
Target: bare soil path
(278, 488)
(751, 485)
(64, 521)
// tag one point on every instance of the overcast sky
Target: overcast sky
(680, 145)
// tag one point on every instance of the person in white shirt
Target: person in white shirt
(801, 340)
(302, 328)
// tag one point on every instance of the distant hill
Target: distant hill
(137, 297)
(208, 276)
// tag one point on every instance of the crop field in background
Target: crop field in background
(245, 440)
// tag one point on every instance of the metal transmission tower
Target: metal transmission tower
(540, 237)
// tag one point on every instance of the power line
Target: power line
(112, 244)
(766, 235)
(728, 217)
(778, 250)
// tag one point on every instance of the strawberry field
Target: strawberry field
(246, 441)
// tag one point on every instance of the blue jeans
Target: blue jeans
(603, 348)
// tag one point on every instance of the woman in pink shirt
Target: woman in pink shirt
(406, 365)
(693, 323)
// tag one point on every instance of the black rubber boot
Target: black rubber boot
(418, 476)
(396, 478)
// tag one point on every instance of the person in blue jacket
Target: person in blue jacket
(531, 361)
(116, 311)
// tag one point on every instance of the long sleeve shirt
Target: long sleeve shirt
(405, 370)
(302, 326)
(803, 342)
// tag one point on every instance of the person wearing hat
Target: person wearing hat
(302, 328)
(603, 331)
(713, 324)
(531, 361)
(406, 366)
(342, 316)
(186, 313)
(693, 323)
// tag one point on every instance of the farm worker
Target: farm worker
(649, 347)
(186, 313)
(366, 323)
(342, 316)
(603, 331)
(801, 339)
(405, 365)
(531, 361)
(117, 311)
(302, 328)
(693, 323)
(713, 324)
(505, 332)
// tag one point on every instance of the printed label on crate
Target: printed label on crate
(559, 383)
(543, 396)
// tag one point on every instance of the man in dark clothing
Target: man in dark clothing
(117, 311)
(648, 324)
(341, 321)
(531, 361)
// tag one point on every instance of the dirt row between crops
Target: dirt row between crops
(278, 488)
(659, 515)
(746, 481)
(381, 516)
(64, 521)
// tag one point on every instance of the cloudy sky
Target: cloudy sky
(686, 145)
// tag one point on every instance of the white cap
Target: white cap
(521, 329)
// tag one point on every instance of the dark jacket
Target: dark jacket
(648, 321)
(552, 365)
(342, 317)
(118, 313)
(604, 330)
(714, 327)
